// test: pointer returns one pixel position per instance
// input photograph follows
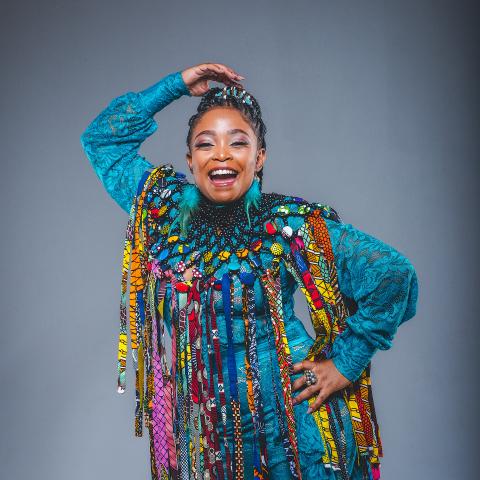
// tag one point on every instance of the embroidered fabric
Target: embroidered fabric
(384, 285)
(112, 140)
(381, 281)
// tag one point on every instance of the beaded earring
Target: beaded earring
(187, 205)
(252, 197)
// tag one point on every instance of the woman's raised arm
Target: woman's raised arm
(383, 284)
(111, 142)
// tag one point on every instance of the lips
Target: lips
(222, 176)
(222, 173)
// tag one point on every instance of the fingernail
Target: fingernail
(309, 410)
(240, 77)
(294, 401)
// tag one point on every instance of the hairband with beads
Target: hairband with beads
(235, 92)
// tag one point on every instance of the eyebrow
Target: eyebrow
(212, 132)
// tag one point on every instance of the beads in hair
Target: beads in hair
(237, 93)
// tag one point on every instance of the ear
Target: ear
(188, 157)
(261, 157)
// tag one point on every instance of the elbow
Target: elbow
(86, 140)
(93, 134)
(393, 304)
(90, 144)
(404, 298)
(404, 291)
(412, 293)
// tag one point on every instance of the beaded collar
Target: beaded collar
(217, 233)
(222, 219)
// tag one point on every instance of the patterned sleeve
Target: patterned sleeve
(111, 142)
(383, 284)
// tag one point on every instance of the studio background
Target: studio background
(371, 107)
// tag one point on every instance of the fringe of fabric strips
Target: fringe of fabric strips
(179, 406)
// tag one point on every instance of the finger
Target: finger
(225, 73)
(220, 73)
(221, 77)
(217, 68)
(233, 83)
(233, 74)
(298, 383)
(227, 76)
(204, 67)
(211, 65)
(209, 70)
(321, 397)
(304, 364)
(237, 75)
(308, 364)
(297, 367)
(210, 74)
(306, 393)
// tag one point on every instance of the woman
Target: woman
(247, 393)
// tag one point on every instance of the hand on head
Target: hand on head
(197, 77)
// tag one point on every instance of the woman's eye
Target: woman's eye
(207, 144)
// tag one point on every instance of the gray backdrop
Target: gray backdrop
(370, 107)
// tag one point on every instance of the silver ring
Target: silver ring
(310, 377)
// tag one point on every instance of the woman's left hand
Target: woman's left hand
(329, 380)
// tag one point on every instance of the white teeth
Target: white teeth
(222, 172)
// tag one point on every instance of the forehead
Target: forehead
(223, 118)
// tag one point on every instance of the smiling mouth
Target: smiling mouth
(223, 176)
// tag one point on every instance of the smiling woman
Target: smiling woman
(216, 262)
(226, 143)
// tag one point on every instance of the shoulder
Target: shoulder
(159, 193)
(294, 211)
(289, 216)
(162, 181)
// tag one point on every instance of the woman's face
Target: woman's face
(224, 155)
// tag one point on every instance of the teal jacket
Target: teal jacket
(381, 281)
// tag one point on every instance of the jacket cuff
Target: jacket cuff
(165, 91)
(351, 354)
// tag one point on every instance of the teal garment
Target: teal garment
(381, 281)
(111, 142)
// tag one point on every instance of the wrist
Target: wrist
(183, 88)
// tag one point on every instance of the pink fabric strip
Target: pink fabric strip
(159, 407)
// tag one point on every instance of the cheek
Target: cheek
(199, 163)
(247, 158)
(250, 165)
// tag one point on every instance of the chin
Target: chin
(224, 197)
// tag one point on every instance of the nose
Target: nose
(221, 153)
